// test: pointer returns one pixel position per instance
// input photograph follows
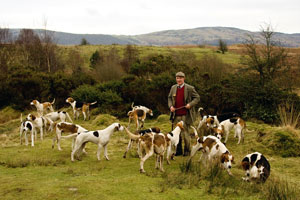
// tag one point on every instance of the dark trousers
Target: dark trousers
(184, 135)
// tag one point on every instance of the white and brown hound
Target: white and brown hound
(157, 143)
(42, 107)
(77, 106)
(138, 113)
(99, 137)
(66, 127)
(256, 166)
(174, 140)
(140, 132)
(213, 150)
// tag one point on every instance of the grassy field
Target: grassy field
(86, 51)
(41, 172)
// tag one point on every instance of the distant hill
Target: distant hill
(196, 36)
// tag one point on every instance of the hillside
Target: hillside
(40, 172)
(196, 36)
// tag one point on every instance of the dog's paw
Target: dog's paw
(142, 171)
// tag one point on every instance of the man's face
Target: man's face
(179, 80)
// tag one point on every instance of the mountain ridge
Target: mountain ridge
(194, 36)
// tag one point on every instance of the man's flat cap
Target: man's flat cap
(180, 74)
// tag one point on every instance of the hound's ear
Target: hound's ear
(179, 124)
(232, 161)
(117, 128)
(157, 129)
(200, 140)
(33, 117)
(222, 158)
(245, 165)
(223, 128)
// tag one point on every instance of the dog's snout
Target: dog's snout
(229, 166)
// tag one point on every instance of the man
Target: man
(181, 100)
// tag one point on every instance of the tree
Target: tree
(222, 46)
(49, 48)
(84, 42)
(265, 56)
(131, 55)
(95, 58)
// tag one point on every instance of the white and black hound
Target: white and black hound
(99, 137)
(25, 127)
(140, 132)
(213, 121)
(38, 123)
(138, 113)
(59, 115)
(227, 125)
(256, 166)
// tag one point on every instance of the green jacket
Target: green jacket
(190, 97)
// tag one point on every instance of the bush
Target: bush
(163, 118)
(285, 144)
(104, 119)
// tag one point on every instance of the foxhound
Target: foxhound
(99, 137)
(213, 150)
(138, 113)
(77, 106)
(41, 107)
(256, 167)
(66, 127)
(213, 121)
(174, 140)
(38, 123)
(157, 143)
(226, 126)
(62, 115)
(140, 132)
(25, 127)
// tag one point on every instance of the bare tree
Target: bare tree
(5, 49)
(265, 56)
(49, 48)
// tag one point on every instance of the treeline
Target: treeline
(34, 67)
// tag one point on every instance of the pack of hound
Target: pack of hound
(211, 136)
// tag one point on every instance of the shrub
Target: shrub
(104, 119)
(285, 144)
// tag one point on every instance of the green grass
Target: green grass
(45, 173)
(86, 52)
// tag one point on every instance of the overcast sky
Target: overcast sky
(131, 17)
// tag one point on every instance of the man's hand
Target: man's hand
(172, 109)
(187, 106)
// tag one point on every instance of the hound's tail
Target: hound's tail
(132, 105)
(69, 136)
(53, 101)
(21, 118)
(195, 132)
(201, 110)
(129, 113)
(69, 118)
(131, 135)
(93, 103)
